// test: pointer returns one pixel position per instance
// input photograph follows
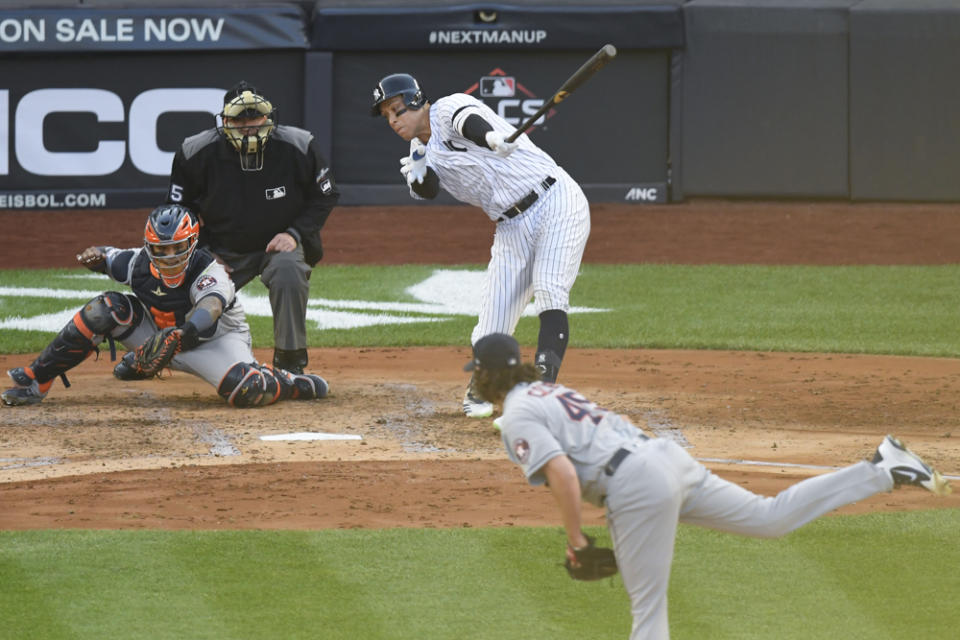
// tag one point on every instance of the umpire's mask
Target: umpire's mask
(247, 120)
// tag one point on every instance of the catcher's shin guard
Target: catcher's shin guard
(245, 386)
(275, 385)
(293, 386)
(81, 336)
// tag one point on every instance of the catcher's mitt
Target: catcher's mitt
(593, 562)
(156, 352)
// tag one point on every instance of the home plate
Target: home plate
(312, 435)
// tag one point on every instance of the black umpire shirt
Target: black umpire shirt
(242, 211)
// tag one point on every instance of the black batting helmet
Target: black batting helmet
(398, 84)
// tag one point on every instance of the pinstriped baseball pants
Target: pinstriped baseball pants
(536, 254)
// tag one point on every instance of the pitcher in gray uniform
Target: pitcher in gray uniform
(173, 284)
(648, 485)
(543, 218)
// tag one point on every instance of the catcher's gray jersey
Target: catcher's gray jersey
(227, 344)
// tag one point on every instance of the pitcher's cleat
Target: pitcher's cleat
(498, 424)
(906, 467)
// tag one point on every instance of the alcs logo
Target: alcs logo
(510, 99)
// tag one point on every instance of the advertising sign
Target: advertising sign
(137, 29)
(612, 131)
(100, 131)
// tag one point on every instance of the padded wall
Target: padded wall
(763, 110)
(905, 100)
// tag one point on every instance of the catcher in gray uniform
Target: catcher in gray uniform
(182, 314)
(648, 485)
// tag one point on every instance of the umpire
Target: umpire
(262, 192)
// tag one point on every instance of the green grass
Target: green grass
(907, 310)
(874, 576)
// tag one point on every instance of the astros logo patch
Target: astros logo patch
(521, 449)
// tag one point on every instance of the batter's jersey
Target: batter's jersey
(169, 306)
(474, 174)
(542, 421)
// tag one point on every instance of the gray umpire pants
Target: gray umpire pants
(660, 484)
(287, 278)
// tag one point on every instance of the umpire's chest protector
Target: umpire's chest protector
(243, 210)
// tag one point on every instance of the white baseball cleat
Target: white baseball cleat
(474, 407)
(498, 424)
(906, 467)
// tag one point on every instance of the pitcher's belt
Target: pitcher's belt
(611, 467)
(619, 456)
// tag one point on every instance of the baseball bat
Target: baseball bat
(596, 62)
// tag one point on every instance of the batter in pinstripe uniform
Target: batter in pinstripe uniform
(541, 213)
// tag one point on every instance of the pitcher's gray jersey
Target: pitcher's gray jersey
(543, 420)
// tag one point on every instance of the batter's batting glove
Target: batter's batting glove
(414, 166)
(499, 145)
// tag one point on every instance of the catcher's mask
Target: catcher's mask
(170, 238)
(398, 84)
(493, 352)
(247, 120)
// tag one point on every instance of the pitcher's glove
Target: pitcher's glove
(593, 563)
(151, 357)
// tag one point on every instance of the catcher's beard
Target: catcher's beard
(493, 385)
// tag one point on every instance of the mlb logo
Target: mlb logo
(498, 86)
(276, 193)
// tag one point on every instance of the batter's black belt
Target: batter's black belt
(527, 201)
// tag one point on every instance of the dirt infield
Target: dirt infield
(168, 454)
